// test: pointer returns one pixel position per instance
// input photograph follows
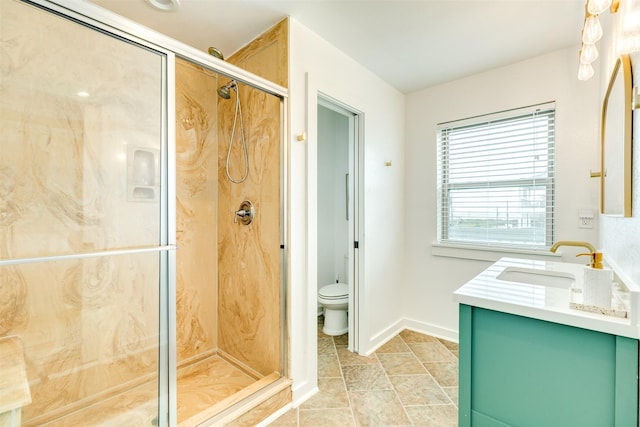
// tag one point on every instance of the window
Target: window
(496, 179)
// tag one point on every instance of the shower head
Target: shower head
(225, 91)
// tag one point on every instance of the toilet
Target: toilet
(335, 300)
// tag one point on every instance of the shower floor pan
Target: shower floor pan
(205, 389)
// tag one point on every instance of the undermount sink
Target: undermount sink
(532, 276)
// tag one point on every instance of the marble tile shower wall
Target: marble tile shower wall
(249, 256)
(73, 112)
(196, 211)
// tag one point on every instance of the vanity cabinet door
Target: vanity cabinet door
(518, 371)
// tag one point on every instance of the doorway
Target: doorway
(337, 203)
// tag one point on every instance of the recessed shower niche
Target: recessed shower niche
(143, 174)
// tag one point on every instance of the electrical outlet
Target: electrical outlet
(585, 218)
(585, 222)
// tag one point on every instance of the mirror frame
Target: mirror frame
(623, 66)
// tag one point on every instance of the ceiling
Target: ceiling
(409, 44)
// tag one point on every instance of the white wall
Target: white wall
(381, 235)
(620, 237)
(430, 280)
(333, 164)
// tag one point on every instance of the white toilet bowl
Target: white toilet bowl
(335, 300)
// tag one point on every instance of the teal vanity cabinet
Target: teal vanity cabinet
(521, 371)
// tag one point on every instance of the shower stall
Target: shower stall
(130, 295)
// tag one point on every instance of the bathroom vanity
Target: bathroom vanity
(527, 358)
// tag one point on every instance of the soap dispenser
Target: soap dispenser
(597, 283)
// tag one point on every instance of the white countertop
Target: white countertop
(542, 302)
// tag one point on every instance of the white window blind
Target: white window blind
(496, 179)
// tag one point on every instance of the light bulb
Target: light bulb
(596, 7)
(588, 53)
(585, 72)
(592, 31)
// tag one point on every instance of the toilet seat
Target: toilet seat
(334, 291)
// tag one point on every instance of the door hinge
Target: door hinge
(355, 244)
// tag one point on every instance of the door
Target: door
(338, 214)
(84, 259)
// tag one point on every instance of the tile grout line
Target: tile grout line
(434, 378)
(392, 386)
(431, 375)
(438, 382)
(411, 351)
(344, 383)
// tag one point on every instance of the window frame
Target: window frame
(444, 187)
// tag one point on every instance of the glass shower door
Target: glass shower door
(83, 240)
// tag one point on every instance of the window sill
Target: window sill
(487, 253)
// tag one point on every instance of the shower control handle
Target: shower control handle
(245, 213)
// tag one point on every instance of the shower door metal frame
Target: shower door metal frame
(90, 16)
(284, 236)
(109, 23)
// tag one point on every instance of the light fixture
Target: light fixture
(585, 71)
(596, 7)
(165, 5)
(588, 53)
(592, 31)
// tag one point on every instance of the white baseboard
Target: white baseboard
(424, 328)
(429, 329)
(381, 338)
(303, 392)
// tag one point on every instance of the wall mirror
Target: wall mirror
(615, 142)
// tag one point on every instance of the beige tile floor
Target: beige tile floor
(412, 380)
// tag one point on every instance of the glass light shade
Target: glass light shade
(165, 5)
(592, 31)
(596, 7)
(588, 53)
(585, 72)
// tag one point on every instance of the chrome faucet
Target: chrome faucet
(596, 257)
